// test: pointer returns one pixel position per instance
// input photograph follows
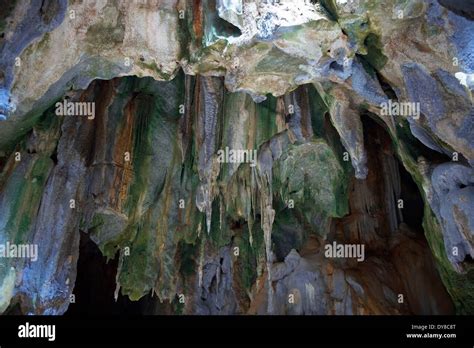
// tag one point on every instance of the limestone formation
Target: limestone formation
(305, 84)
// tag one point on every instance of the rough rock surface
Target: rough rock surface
(302, 83)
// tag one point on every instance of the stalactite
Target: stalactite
(290, 80)
(209, 109)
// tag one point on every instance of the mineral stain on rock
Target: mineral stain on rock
(136, 205)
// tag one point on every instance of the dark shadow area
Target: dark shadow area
(378, 139)
(413, 203)
(463, 8)
(95, 285)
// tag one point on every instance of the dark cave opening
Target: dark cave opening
(413, 209)
(386, 87)
(95, 285)
(377, 139)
